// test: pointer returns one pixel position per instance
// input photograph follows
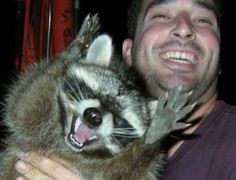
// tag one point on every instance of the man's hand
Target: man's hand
(33, 167)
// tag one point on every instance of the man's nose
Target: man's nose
(183, 28)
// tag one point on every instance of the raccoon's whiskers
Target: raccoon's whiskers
(116, 141)
(125, 132)
(77, 86)
(75, 93)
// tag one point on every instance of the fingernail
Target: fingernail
(194, 104)
(20, 166)
(190, 93)
(180, 87)
(20, 178)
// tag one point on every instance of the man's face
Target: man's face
(177, 43)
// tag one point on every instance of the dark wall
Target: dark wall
(7, 39)
(227, 86)
(112, 15)
(7, 43)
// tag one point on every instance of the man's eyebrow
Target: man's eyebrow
(154, 4)
(207, 6)
(202, 4)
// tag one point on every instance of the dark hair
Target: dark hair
(135, 9)
(132, 18)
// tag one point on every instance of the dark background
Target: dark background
(113, 19)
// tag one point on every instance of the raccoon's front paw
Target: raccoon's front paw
(79, 46)
(170, 108)
(89, 30)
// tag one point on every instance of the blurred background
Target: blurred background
(24, 39)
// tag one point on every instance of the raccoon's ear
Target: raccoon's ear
(100, 51)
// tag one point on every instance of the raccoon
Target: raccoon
(81, 108)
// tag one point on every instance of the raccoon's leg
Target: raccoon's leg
(78, 48)
(170, 108)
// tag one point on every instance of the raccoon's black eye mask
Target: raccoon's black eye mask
(81, 133)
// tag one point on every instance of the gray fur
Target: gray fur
(43, 106)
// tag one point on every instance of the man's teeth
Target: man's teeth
(180, 57)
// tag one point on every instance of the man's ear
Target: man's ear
(126, 52)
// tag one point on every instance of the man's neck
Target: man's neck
(200, 114)
(203, 110)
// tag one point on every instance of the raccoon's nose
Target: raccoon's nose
(93, 117)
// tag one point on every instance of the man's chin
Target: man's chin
(157, 90)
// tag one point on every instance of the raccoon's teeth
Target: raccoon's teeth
(92, 138)
(77, 124)
(75, 142)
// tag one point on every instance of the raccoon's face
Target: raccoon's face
(102, 113)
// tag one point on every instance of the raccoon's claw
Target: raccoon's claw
(175, 102)
(170, 109)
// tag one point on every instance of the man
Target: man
(176, 42)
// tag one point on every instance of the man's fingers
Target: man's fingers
(29, 172)
(46, 168)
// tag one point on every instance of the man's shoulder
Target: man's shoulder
(226, 107)
(231, 109)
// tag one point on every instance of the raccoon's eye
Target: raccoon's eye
(93, 116)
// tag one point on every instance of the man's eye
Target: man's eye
(161, 16)
(203, 21)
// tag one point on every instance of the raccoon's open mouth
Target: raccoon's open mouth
(80, 135)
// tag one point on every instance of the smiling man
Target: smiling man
(176, 43)
(172, 43)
